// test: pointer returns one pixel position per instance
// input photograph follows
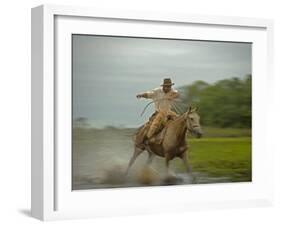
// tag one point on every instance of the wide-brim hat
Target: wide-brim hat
(167, 82)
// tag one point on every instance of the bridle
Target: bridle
(190, 125)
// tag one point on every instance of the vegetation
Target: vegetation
(225, 132)
(228, 158)
(227, 103)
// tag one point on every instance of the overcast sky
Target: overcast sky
(108, 72)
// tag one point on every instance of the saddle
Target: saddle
(140, 136)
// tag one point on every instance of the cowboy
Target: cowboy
(163, 98)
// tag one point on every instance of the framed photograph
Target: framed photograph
(141, 112)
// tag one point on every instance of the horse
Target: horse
(173, 143)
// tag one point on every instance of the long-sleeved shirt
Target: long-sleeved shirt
(163, 101)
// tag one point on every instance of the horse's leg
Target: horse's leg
(132, 160)
(188, 167)
(150, 158)
(167, 163)
(170, 178)
(185, 160)
(148, 169)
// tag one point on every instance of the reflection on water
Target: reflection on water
(100, 157)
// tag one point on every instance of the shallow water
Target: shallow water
(100, 158)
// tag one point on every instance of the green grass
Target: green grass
(226, 132)
(222, 157)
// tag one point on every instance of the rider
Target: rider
(163, 98)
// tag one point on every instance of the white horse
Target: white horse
(174, 143)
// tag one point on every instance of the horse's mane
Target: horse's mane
(181, 116)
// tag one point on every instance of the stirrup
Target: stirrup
(145, 140)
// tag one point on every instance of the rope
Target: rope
(146, 108)
(176, 108)
(173, 105)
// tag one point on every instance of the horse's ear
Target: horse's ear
(195, 109)
(189, 110)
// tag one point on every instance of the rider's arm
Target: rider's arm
(142, 95)
(148, 94)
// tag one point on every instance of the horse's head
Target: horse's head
(193, 122)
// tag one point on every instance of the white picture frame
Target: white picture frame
(52, 197)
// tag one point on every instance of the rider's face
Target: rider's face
(167, 89)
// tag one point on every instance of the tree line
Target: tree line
(226, 103)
